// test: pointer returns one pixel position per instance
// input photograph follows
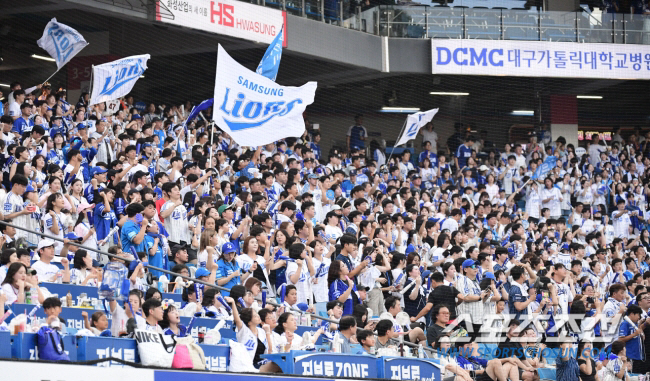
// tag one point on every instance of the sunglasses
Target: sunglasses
(471, 267)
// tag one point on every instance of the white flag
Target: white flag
(116, 79)
(61, 42)
(413, 124)
(253, 109)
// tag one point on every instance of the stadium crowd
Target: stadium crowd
(447, 248)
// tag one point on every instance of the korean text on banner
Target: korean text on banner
(61, 42)
(548, 164)
(116, 79)
(540, 59)
(413, 124)
(255, 110)
(227, 17)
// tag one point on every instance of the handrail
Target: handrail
(184, 277)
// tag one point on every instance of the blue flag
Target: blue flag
(545, 168)
(197, 109)
(270, 63)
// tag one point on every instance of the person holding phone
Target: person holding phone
(134, 229)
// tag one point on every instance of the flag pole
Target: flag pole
(398, 137)
(50, 77)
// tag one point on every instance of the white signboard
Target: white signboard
(228, 17)
(540, 59)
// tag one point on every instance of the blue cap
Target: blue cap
(73, 237)
(489, 276)
(29, 189)
(201, 271)
(468, 263)
(145, 145)
(81, 126)
(353, 172)
(302, 307)
(98, 171)
(228, 247)
(136, 116)
(313, 176)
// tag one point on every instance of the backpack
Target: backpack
(50, 345)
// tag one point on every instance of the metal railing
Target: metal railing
(507, 24)
(425, 21)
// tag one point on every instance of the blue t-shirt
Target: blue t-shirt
(356, 133)
(463, 153)
(120, 206)
(225, 269)
(103, 222)
(633, 347)
(156, 260)
(22, 125)
(182, 331)
(338, 288)
(129, 230)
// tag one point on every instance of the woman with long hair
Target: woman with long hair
(340, 286)
(83, 228)
(53, 220)
(38, 169)
(76, 197)
(212, 307)
(15, 283)
(121, 196)
(257, 341)
(286, 328)
(207, 252)
(251, 261)
(83, 272)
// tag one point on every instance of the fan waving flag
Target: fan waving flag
(61, 42)
(254, 110)
(413, 124)
(545, 168)
(116, 79)
(206, 104)
(270, 63)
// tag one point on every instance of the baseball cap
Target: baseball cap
(45, 243)
(29, 189)
(224, 207)
(201, 271)
(83, 206)
(313, 176)
(81, 126)
(336, 207)
(189, 164)
(73, 237)
(489, 276)
(98, 170)
(353, 172)
(227, 248)
(483, 168)
(136, 117)
(469, 263)
(177, 247)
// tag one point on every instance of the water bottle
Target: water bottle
(28, 297)
(59, 277)
(420, 351)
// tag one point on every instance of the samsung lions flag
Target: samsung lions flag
(413, 124)
(255, 110)
(61, 42)
(270, 63)
(116, 79)
(545, 168)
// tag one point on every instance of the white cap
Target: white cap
(45, 243)
(483, 168)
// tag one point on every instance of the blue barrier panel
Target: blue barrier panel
(171, 375)
(401, 368)
(94, 348)
(24, 346)
(217, 357)
(71, 315)
(91, 292)
(5, 345)
(306, 363)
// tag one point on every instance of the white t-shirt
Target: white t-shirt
(246, 337)
(304, 283)
(430, 136)
(176, 223)
(14, 110)
(321, 291)
(45, 271)
(10, 292)
(119, 321)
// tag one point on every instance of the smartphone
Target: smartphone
(545, 294)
